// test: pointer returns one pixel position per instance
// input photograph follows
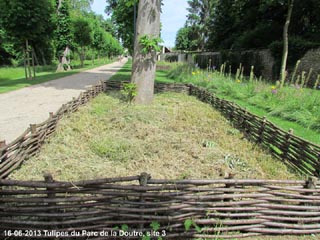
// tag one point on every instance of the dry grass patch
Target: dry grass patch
(176, 137)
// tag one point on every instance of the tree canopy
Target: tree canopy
(122, 14)
(232, 24)
(51, 26)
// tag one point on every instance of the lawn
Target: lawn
(12, 78)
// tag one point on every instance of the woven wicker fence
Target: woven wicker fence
(300, 154)
(29, 143)
(224, 208)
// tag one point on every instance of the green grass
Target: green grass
(12, 78)
(244, 94)
(124, 73)
(289, 107)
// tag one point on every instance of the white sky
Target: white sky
(173, 17)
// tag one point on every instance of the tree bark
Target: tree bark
(82, 57)
(144, 66)
(285, 43)
(25, 63)
(44, 62)
(28, 60)
(64, 61)
(33, 60)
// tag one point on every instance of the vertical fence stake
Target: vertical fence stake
(317, 167)
(143, 181)
(102, 83)
(33, 128)
(261, 131)
(3, 144)
(230, 176)
(287, 144)
(50, 194)
(4, 151)
(311, 183)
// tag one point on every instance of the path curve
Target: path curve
(31, 105)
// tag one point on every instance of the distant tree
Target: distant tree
(27, 21)
(63, 35)
(144, 59)
(186, 39)
(82, 34)
(198, 19)
(122, 14)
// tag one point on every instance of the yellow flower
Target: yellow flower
(238, 81)
(273, 87)
(193, 73)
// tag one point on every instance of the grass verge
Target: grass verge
(289, 107)
(161, 75)
(13, 78)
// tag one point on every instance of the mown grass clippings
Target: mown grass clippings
(176, 137)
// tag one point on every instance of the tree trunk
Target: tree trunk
(64, 62)
(285, 44)
(82, 57)
(144, 66)
(33, 65)
(44, 62)
(35, 57)
(25, 63)
(28, 61)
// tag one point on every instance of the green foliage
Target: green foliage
(62, 33)
(186, 39)
(149, 44)
(124, 227)
(155, 226)
(50, 26)
(82, 31)
(27, 19)
(122, 13)
(129, 92)
(226, 24)
(292, 103)
(190, 223)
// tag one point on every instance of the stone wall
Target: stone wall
(265, 64)
(261, 59)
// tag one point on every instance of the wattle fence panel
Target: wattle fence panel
(128, 207)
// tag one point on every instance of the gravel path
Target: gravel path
(31, 105)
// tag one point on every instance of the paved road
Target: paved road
(31, 105)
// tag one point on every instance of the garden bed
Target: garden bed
(176, 137)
